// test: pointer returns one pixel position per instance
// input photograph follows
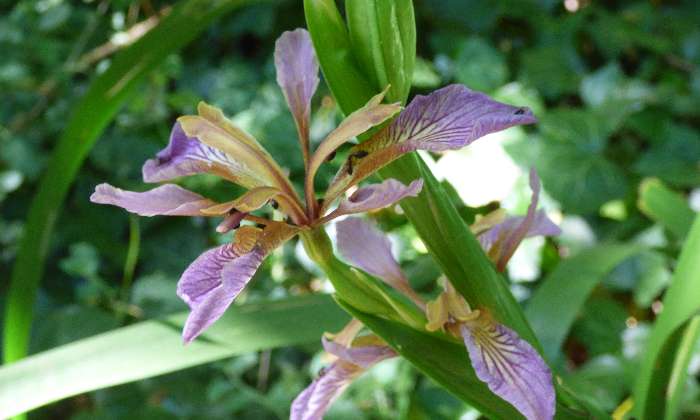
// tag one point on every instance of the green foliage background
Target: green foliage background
(616, 88)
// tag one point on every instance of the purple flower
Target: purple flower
(208, 142)
(502, 239)
(352, 359)
(509, 365)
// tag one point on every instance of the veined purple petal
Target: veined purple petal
(297, 75)
(167, 200)
(212, 282)
(511, 368)
(315, 400)
(377, 196)
(453, 117)
(366, 247)
(448, 118)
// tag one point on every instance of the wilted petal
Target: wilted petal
(315, 400)
(166, 200)
(244, 160)
(231, 221)
(511, 368)
(211, 283)
(249, 201)
(370, 115)
(366, 247)
(376, 196)
(297, 75)
(449, 118)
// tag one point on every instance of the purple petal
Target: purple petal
(315, 400)
(297, 74)
(167, 200)
(182, 156)
(377, 196)
(502, 240)
(448, 118)
(212, 282)
(453, 117)
(541, 226)
(366, 247)
(363, 356)
(511, 368)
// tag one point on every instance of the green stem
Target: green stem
(361, 291)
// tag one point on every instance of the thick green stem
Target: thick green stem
(361, 291)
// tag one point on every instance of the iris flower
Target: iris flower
(449, 118)
(509, 365)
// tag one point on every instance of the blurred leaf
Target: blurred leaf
(559, 299)
(601, 381)
(665, 206)
(609, 88)
(645, 274)
(479, 66)
(680, 303)
(424, 75)
(600, 326)
(571, 162)
(89, 118)
(153, 348)
(550, 70)
(674, 157)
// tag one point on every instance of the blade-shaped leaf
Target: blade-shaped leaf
(90, 116)
(153, 348)
(554, 306)
(680, 303)
(679, 373)
(665, 206)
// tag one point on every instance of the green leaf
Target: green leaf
(571, 163)
(679, 373)
(673, 157)
(155, 347)
(680, 303)
(383, 39)
(665, 206)
(480, 66)
(556, 303)
(90, 116)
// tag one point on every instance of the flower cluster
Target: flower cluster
(449, 118)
